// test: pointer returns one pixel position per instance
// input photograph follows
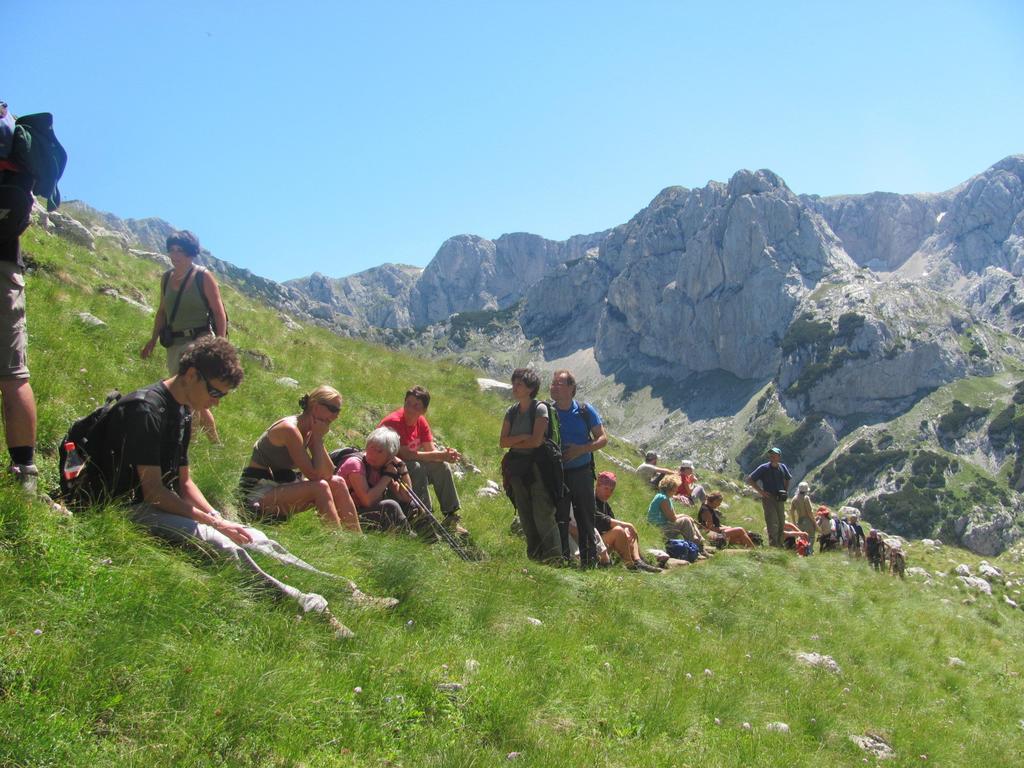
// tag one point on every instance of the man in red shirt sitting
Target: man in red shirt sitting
(427, 464)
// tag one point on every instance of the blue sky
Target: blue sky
(333, 136)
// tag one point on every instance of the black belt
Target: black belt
(191, 333)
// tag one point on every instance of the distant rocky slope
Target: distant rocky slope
(721, 318)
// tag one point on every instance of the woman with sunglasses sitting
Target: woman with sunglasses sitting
(290, 449)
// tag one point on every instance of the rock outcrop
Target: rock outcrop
(712, 279)
(881, 230)
(377, 296)
(472, 273)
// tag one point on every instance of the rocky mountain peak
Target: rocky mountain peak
(756, 183)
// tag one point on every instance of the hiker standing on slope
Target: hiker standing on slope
(582, 433)
(801, 511)
(774, 477)
(522, 433)
(19, 403)
(190, 308)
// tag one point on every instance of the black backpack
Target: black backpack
(36, 149)
(339, 455)
(102, 477)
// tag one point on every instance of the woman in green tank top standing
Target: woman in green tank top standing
(190, 307)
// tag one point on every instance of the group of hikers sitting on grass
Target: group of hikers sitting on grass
(796, 528)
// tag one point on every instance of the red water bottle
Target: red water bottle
(74, 462)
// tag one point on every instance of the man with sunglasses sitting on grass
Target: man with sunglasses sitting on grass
(148, 437)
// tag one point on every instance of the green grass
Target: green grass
(150, 656)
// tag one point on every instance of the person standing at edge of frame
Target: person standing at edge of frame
(19, 403)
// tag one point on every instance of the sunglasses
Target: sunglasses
(177, 249)
(335, 409)
(215, 393)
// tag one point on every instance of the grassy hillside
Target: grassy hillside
(117, 650)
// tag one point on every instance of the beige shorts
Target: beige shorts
(13, 332)
(176, 350)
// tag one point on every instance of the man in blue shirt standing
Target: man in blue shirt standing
(774, 477)
(582, 433)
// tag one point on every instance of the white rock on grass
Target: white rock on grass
(973, 582)
(820, 661)
(989, 572)
(493, 385)
(488, 492)
(955, 661)
(962, 570)
(1009, 602)
(874, 745)
(535, 622)
(917, 571)
(288, 381)
(777, 727)
(91, 320)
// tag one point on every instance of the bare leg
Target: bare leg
(289, 498)
(208, 424)
(344, 505)
(19, 411)
(738, 536)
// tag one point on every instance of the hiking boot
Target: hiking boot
(27, 475)
(452, 521)
(645, 567)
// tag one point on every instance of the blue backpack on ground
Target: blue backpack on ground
(681, 549)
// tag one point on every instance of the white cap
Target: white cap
(686, 464)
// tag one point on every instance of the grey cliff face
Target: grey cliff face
(378, 297)
(881, 230)
(873, 348)
(472, 273)
(985, 223)
(567, 326)
(712, 279)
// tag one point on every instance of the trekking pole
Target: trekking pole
(438, 528)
